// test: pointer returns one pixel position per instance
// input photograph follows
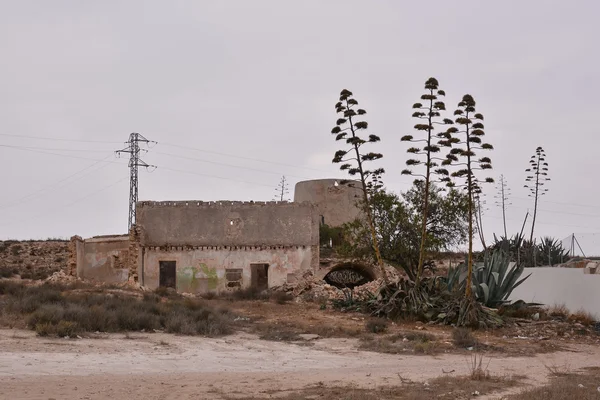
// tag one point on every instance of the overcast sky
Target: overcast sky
(238, 93)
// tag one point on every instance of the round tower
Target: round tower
(337, 203)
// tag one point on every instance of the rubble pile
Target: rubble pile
(61, 277)
(554, 329)
(311, 288)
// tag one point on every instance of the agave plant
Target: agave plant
(529, 254)
(494, 279)
(551, 251)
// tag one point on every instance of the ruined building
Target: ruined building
(201, 247)
(336, 203)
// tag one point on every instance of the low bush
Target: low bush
(55, 310)
(462, 337)
(376, 325)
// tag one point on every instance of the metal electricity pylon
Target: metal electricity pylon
(135, 161)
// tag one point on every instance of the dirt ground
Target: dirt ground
(163, 366)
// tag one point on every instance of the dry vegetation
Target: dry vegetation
(33, 259)
(59, 310)
(407, 342)
(445, 387)
(566, 385)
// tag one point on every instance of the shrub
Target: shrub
(462, 337)
(67, 329)
(49, 312)
(559, 311)
(15, 249)
(419, 337)
(11, 288)
(45, 329)
(376, 325)
(583, 317)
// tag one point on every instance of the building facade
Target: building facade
(201, 247)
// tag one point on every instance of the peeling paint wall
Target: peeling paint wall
(103, 259)
(204, 269)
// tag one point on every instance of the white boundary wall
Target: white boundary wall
(568, 286)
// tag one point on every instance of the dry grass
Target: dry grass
(463, 337)
(478, 369)
(409, 342)
(56, 310)
(559, 311)
(376, 325)
(582, 317)
(289, 332)
(566, 385)
(558, 370)
(446, 387)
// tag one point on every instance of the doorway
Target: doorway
(167, 274)
(259, 276)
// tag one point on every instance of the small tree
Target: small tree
(468, 140)
(429, 116)
(353, 161)
(398, 219)
(538, 170)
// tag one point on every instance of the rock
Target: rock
(309, 336)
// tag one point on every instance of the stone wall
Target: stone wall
(336, 203)
(205, 269)
(227, 223)
(103, 258)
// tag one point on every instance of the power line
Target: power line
(55, 185)
(57, 154)
(56, 139)
(47, 212)
(227, 165)
(563, 212)
(242, 157)
(564, 204)
(214, 176)
(55, 149)
(541, 223)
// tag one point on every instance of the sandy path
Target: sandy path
(181, 367)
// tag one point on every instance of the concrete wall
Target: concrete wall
(568, 286)
(337, 204)
(103, 259)
(226, 223)
(201, 270)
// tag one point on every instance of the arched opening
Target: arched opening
(349, 275)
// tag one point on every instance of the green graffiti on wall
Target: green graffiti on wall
(192, 279)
